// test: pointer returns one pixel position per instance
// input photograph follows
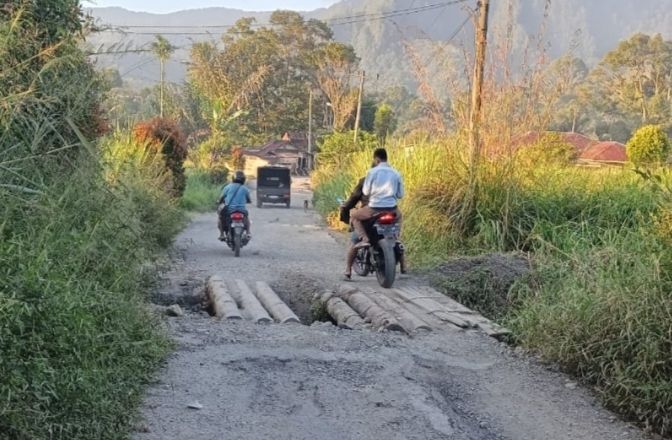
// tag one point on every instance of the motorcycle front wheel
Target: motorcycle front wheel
(386, 263)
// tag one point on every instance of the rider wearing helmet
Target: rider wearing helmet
(234, 197)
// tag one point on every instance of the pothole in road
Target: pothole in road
(301, 294)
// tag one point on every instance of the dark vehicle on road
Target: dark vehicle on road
(274, 186)
(385, 251)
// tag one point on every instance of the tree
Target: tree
(163, 50)
(650, 145)
(633, 82)
(334, 67)
(263, 75)
(572, 111)
(385, 122)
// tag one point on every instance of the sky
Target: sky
(164, 6)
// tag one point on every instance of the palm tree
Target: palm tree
(163, 50)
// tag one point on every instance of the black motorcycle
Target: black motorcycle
(384, 252)
(236, 238)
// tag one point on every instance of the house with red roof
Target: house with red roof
(291, 151)
(588, 151)
(606, 152)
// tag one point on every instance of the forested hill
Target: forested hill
(588, 28)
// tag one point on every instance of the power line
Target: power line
(336, 21)
(117, 52)
(388, 14)
(460, 27)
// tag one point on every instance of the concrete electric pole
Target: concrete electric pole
(359, 105)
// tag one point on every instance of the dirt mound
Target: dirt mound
(483, 282)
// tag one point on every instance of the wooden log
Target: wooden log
(431, 320)
(492, 328)
(431, 306)
(222, 304)
(274, 305)
(446, 301)
(344, 315)
(457, 310)
(252, 308)
(411, 323)
(372, 312)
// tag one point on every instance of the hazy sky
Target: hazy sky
(162, 6)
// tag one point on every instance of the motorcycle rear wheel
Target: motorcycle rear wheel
(237, 241)
(386, 264)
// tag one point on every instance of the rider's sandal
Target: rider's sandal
(347, 277)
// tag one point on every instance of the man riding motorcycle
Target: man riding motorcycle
(356, 197)
(233, 198)
(384, 187)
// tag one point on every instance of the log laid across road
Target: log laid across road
(222, 304)
(275, 306)
(251, 306)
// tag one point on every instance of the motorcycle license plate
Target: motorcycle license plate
(236, 225)
(387, 230)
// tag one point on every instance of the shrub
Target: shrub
(167, 138)
(550, 149)
(336, 147)
(209, 157)
(650, 145)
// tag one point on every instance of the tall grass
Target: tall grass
(201, 193)
(600, 299)
(76, 339)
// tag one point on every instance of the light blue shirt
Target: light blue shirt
(384, 186)
(242, 196)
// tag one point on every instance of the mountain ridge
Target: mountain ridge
(588, 29)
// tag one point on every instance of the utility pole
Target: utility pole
(163, 73)
(475, 114)
(310, 130)
(359, 105)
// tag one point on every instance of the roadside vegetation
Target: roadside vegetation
(82, 219)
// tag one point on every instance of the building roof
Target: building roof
(605, 152)
(577, 140)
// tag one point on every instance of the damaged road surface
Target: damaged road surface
(234, 379)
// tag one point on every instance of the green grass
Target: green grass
(599, 301)
(201, 193)
(77, 341)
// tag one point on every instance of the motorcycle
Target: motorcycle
(384, 252)
(236, 238)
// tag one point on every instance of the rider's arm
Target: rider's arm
(368, 182)
(400, 188)
(248, 199)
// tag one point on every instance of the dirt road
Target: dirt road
(319, 382)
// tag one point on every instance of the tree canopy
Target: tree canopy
(258, 85)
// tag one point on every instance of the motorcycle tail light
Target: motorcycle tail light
(387, 218)
(237, 216)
